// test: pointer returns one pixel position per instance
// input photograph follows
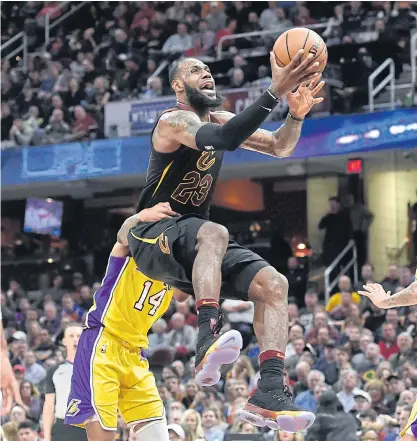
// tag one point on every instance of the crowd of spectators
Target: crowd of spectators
(350, 362)
(109, 51)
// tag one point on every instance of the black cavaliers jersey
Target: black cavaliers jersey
(184, 178)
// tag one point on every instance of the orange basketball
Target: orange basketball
(291, 41)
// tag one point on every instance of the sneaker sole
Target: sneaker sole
(288, 421)
(225, 350)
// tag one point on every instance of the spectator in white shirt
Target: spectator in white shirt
(158, 339)
(274, 18)
(179, 42)
(349, 389)
(240, 315)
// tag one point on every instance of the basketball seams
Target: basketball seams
(286, 43)
(305, 41)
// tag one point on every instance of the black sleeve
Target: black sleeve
(49, 382)
(231, 135)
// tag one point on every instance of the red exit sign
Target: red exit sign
(354, 166)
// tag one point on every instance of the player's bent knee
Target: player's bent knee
(153, 430)
(213, 235)
(269, 286)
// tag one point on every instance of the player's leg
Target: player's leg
(247, 275)
(192, 254)
(139, 402)
(96, 433)
(202, 246)
(95, 386)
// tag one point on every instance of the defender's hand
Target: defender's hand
(376, 293)
(302, 100)
(157, 212)
(285, 79)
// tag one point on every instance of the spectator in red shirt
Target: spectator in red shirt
(303, 17)
(83, 124)
(388, 345)
(230, 29)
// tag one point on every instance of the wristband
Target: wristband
(295, 119)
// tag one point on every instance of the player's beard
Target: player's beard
(200, 102)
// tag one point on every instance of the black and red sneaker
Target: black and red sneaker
(213, 352)
(274, 408)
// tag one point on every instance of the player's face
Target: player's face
(199, 85)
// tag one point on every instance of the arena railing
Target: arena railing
(353, 263)
(374, 89)
(246, 35)
(23, 46)
(49, 26)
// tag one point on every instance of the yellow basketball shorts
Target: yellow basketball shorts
(111, 377)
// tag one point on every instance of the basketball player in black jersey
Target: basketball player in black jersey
(195, 255)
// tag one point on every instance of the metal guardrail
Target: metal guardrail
(49, 26)
(245, 35)
(373, 89)
(22, 47)
(328, 286)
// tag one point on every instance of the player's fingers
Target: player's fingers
(165, 204)
(295, 64)
(309, 77)
(7, 401)
(317, 89)
(273, 61)
(318, 100)
(314, 82)
(363, 293)
(389, 293)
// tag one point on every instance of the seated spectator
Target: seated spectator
(240, 315)
(20, 134)
(237, 79)
(101, 85)
(327, 363)
(374, 318)
(405, 346)
(391, 281)
(153, 89)
(333, 31)
(368, 361)
(363, 401)
(367, 276)
(306, 314)
(296, 332)
(264, 78)
(34, 372)
(350, 382)
(83, 124)
(77, 67)
(6, 121)
(332, 423)
(216, 18)
(57, 129)
(302, 370)
(75, 94)
(345, 309)
(320, 321)
(306, 399)
(207, 36)
(27, 431)
(211, 425)
(377, 391)
(230, 29)
(179, 42)
(345, 285)
(158, 338)
(388, 343)
(303, 17)
(31, 400)
(70, 309)
(274, 18)
(182, 337)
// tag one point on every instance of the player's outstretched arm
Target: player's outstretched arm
(384, 300)
(154, 214)
(185, 127)
(282, 142)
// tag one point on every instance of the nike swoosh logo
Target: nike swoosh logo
(266, 108)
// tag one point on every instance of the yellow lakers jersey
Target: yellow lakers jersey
(128, 303)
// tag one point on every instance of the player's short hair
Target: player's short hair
(174, 69)
(27, 424)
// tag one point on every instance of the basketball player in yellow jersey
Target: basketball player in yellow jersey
(111, 373)
(384, 300)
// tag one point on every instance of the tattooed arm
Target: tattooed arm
(280, 143)
(127, 225)
(384, 300)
